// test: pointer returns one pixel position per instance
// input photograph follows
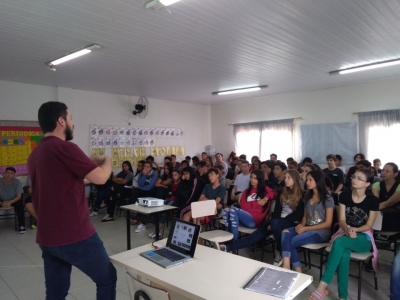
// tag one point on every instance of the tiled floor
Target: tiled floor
(21, 266)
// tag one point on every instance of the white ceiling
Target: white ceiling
(197, 47)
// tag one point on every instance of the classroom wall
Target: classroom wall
(315, 107)
(20, 101)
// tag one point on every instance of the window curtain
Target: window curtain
(263, 138)
(368, 120)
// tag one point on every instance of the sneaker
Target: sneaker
(152, 235)
(140, 228)
(223, 248)
(22, 229)
(93, 213)
(33, 226)
(106, 216)
(278, 259)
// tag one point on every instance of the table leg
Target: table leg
(128, 229)
(156, 221)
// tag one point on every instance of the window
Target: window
(384, 144)
(264, 138)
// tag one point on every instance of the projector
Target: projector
(150, 202)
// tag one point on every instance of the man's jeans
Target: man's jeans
(90, 257)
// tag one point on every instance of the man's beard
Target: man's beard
(69, 133)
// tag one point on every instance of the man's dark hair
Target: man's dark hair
(195, 159)
(242, 156)
(219, 167)
(188, 158)
(147, 163)
(307, 160)
(202, 164)
(173, 155)
(331, 156)
(49, 113)
(219, 154)
(11, 169)
(365, 163)
(362, 156)
(150, 157)
(338, 157)
(168, 157)
(203, 153)
(289, 159)
(281, 165)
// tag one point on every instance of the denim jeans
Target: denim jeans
(233, 217)
(261, 233)
(277, 226)
(291, 240)
(90, 257)
(395, 278)
(100, 197)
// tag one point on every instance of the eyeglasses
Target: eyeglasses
(357, 178)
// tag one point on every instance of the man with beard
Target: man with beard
(65, 235)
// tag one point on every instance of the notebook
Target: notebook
(180, 248)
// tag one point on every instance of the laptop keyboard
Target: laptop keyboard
(172, 256)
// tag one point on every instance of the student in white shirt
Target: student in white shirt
(241, 182)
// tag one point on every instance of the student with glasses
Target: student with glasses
(357, 213)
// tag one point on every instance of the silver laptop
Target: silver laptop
(180, 248)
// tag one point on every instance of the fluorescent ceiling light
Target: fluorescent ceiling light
(244, 90)
(376, 65)
(157, 4)
(73, 55)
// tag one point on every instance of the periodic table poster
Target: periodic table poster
(17, 140)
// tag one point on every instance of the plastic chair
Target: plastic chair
(207, 208)
(383, 237)
(140, 290)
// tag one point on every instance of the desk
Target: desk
(156, 211)
(211, 275)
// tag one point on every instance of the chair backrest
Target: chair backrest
(140, 290)
(203, 208)
(272, 207)
(378, 222)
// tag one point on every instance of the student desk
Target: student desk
(212, 274)
(156, 211)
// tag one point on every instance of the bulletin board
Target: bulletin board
(18, 139)
(134, 143)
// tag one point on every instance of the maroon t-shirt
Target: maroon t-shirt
(57, 169)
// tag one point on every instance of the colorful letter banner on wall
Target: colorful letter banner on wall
(17, 140)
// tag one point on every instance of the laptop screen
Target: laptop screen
(183, 237)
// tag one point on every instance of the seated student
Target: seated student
(184, 164)
(315, 227)
(357, 213)
(241, 182)
(388, 192)
(328, 181)
(266, 167)
(213, 191)
(221, 178)
(377, 165)
(175, 164)
(167, 159)
(154, 165)
(289, 209)
(306, 161)
(202, 171)
(170, 198)
(253, 158)
(273, 157)
(288, 160)
(28, 202)
(232, 167)
(11, 195)
(293, 165)
(163, 182)
(353, 169)
(254, 205)
(232, 155)
(395, 278)
(103, 191)
(256, 165)
(219, 161)
(118, 190)
(189, 190)
(366, 165)
(146, 181)
(188, 159)
(335, 174)
(279, 174)
(210, 163)
(195, 161)
(204, 156)
(338, 163)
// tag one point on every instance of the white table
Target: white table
(211, 275)
(156, 211)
